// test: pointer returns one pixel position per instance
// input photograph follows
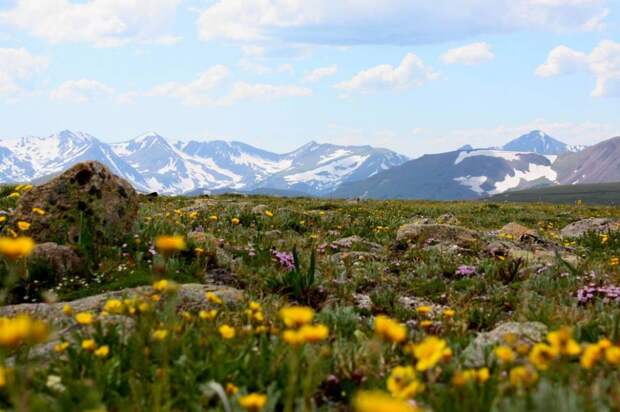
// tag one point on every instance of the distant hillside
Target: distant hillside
(467, 174)
(596, 164)
(592, 194)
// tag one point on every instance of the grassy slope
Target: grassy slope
(594, 194)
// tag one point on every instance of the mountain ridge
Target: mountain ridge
(153, 163)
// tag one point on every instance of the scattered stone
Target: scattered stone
(518, 232)
(597, 225)
(63, 260)
(362, 301)
(448, 219)
(474, 355)
(354, 257)
(260, 209)
(86, 200)
(428, 234)
(353, 242)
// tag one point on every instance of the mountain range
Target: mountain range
(154, 164)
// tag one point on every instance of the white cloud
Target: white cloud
(262, 70)
(603, 62)
(197, 92)
(391, 21)
(203, 91)
(411, 72)
(104, 23)
(242, 91)
(17, 65)
(470, 54)
(81, 91)
(320, 73)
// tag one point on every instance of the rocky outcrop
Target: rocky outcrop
(86, 201)
(584, 226)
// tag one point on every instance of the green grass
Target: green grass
(182, 372)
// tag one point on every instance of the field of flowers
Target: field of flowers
(334, 312)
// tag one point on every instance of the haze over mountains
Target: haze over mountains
(154, 164)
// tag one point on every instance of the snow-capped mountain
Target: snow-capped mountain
(152, 163)
(30, 158)
(462, 174)
(539, 142)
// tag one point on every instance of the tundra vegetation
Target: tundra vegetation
(235, 303)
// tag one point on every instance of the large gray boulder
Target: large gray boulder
(86, 200)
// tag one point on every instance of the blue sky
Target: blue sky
(416, 76)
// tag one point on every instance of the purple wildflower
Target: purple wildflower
(285, 259)
(465, 270)
(589, 293)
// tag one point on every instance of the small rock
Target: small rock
(362, 301)
(518, 232)
(260, 209)
(437, 233)
(448, 219)
(597, 225)
(474, 355)
(353, 257)
(355, 242)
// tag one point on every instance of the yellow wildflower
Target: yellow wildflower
(61, 347)
(522, 376)
(38, 211)
(614, 261)
(113, 306)
(207, 314)
(67, 310)
(159, 335)
(14, 195)
(612, 355)
(542, 355)
(430, 351)
(449, 313)
(23, 225)
(235, 221)
(227, 332)
(562, 341)
(314, 333)
(374, 401)
(213, 218)
(471, 375)
(168, 245)
(591, 355)
(253, 402)
(20, 330)
(231, 388)
(505, 354)
(103, 351)
(296, 316)
(2, 377)
(165, 286)
(390, 330)
(89, 345)
(268, 213)
(213, 298)
(16, 248)
(423, 310)
(403, 383)
(84, 318)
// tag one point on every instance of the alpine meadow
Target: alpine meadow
(353, 206)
